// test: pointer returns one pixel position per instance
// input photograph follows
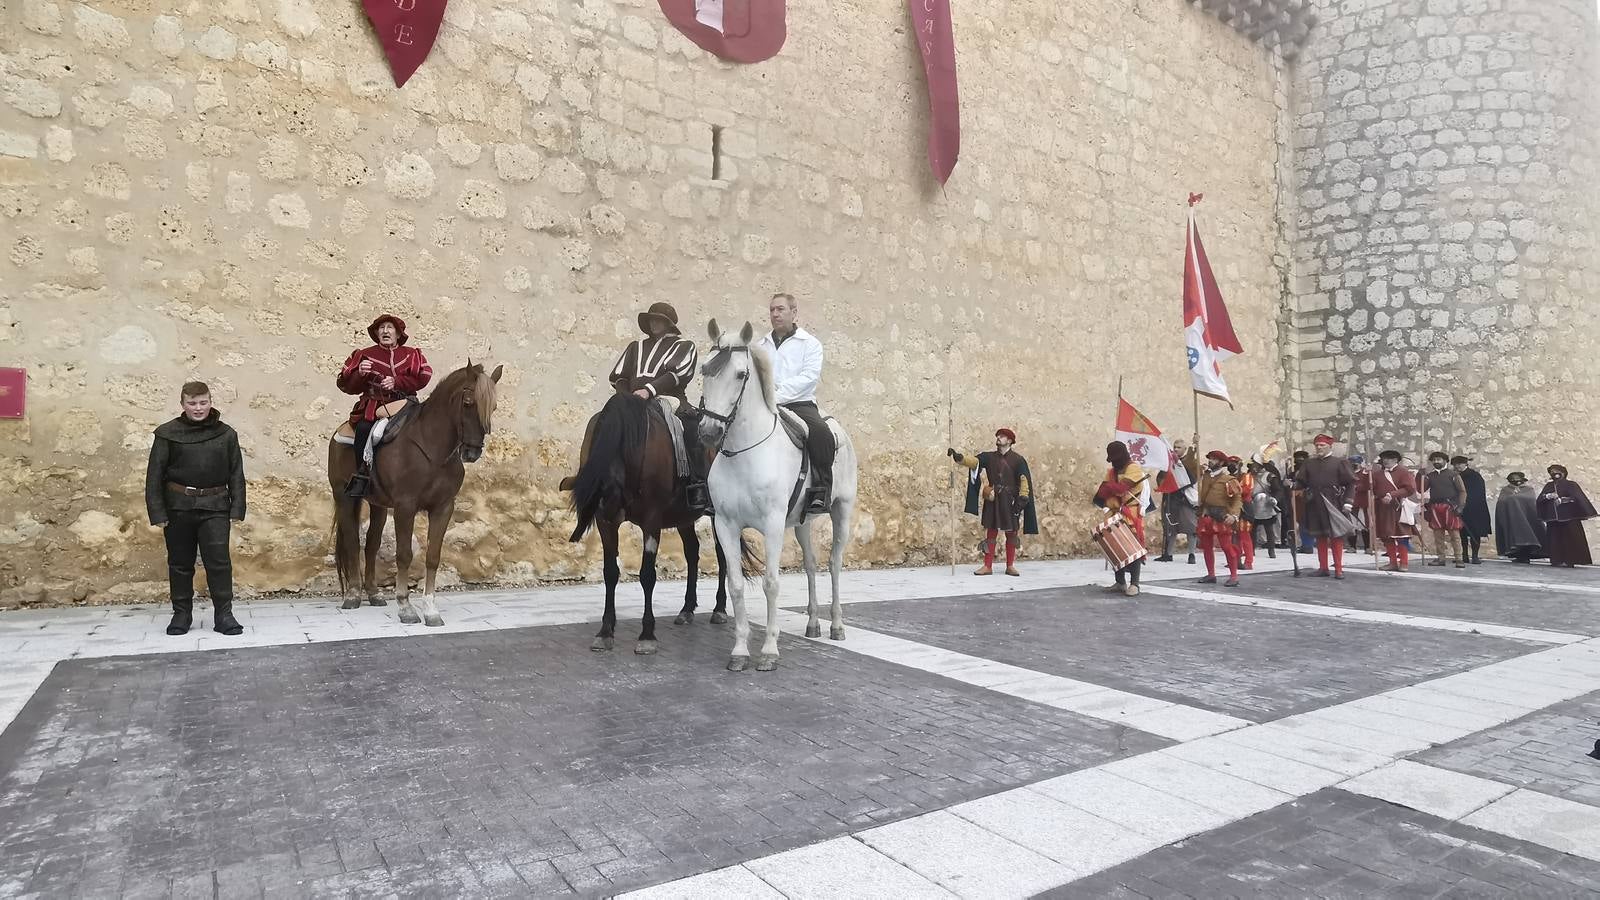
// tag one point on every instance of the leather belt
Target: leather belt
(196, 492)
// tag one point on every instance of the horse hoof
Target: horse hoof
(814, 630)
(433, 621)
(410, 619)
(718, 618)
(602, 644)
(377, 601)
(738, 663)
(684, 619)
(766, 663)
(350, 604)
(645, 648)
(836, 633)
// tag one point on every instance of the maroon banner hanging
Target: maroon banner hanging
(746, 31)
(936, 40)
(407, 29)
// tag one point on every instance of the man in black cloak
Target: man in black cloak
(1518, 531)
(1475, 515)
(1563, 506)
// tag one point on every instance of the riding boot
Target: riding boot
(698, 498)
(360, 484)
(224, 622)
(816, 501)
(182, 616)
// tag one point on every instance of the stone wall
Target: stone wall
(1446, 287)
(231, 190)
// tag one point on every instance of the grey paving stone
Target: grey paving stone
(1334, 844)
(503, 763)
(1459, 598)
(1546, 751)
(1253, 663)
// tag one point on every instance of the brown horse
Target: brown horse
(420, 471)
(630, 476)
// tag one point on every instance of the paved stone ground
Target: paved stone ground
(1256, 664)
(500, 763)
(1547, 751)
(1335, 844)
(1537, 572)
(1495, 604)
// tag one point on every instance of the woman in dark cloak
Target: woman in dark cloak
(1518, 531)
(1475, 524)
(1563, 506)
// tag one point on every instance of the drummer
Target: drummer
(1121, 494)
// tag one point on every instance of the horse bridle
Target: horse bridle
(712, 367)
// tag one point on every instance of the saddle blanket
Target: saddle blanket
(680, 452)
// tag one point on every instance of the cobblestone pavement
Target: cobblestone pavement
(509, 761)
(1340, 845)
(1496, 604)
(1547, 751)
(977, 746)
(1256, 664)
(1540, 572)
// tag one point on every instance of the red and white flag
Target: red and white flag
(1145, 444)
(1206, 328)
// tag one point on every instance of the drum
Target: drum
(1118, 541)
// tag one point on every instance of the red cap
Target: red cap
(1218, 455)
(1008, 434)
(1235, 459)
(1323, 439)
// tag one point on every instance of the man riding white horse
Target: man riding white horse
(797, 370)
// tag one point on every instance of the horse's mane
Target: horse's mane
(470, 375)
(762, 363)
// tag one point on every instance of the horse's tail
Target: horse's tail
(623, 423)
(347, 540)
(750, 561)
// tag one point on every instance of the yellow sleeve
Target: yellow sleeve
(968, 460)
(1024, 489)
(1133, 474)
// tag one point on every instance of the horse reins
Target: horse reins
(727, 420)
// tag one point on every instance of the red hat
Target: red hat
(1217, 454)
(1235, 459)
(399, 328)
(1323, 439)
(1007, 433)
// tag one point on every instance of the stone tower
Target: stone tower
(1446, 290)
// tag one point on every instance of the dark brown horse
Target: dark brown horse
(420, 471)
(630, 476)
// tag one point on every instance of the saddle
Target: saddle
(384, 430)
(797, 431)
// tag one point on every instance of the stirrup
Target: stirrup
(698, 498)
(816, 502)
(358, 485)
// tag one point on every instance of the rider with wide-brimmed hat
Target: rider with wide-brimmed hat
(384, 375)
(661, 364)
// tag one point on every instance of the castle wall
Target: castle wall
(231, 190)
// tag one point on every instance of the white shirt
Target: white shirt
(796, 366)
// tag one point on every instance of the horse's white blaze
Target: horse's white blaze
(752, 490)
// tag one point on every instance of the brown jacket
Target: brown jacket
(1221, 491)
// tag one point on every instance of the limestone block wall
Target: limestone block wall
(231, 190)
(1446, 284)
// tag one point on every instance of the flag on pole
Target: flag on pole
(1145, 444)
(1207, 330)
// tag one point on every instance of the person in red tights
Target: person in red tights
(1329, 484)
(1221, 502)
(1386, 489)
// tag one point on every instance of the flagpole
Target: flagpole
(1196, 395)
(950, 433)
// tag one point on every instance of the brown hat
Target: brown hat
(662, 311)
(399, 328)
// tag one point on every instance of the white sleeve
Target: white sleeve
(803, 383)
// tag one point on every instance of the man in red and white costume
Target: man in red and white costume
(385, 375)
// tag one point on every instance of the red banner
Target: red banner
(13, 393)
(746, 31)
(407, 29)
(936, 40)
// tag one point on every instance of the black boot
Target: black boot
(224, 622)
(698, 498)
(360, 483)
(182, 616)
(816, 501)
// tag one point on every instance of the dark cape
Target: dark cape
(1518, 530)
(1476, 514)
(1325, 478)
(1030, 518)
(1563, 516)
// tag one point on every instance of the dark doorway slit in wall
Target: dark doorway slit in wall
(716, 153)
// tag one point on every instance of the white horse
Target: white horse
(752, 485)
